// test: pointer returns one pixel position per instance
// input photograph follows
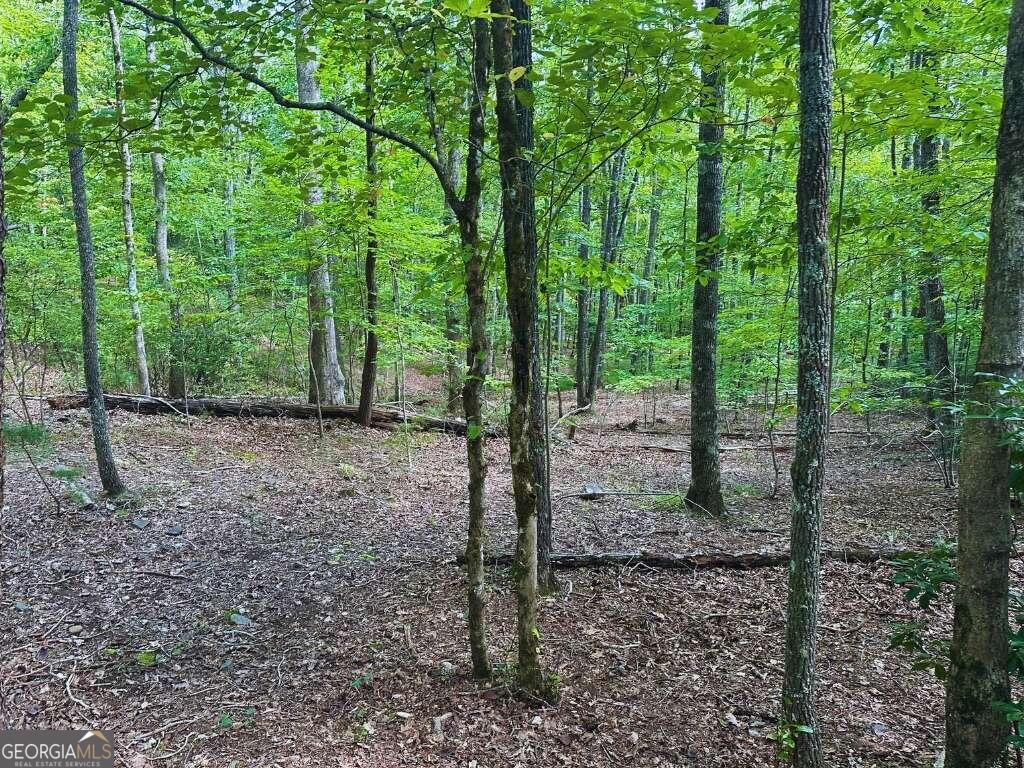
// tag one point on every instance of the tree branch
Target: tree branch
(279, 97)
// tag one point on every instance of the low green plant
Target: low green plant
(785, 739)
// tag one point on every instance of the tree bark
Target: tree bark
(368, 383)
(936, 341)
(477, 350)
(646, 294)
(705, 491)
(326, 380)
(3, 299)
(231, 243)
(127, 212)
(86, 258)
(510, 40)
(583, 304)
(976, 732)
(814, 364)
(176, 364)
(609, 246)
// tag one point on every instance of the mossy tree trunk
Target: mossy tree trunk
(976, 733)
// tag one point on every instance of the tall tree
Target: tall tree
(326, 381)
(86, 258)
(127, 210)
(976, 731)
(509, 31)
(609, 246)
(813, 367)
(468, 213)
(583, 302)
(369, 378)
(705, 492)
(176, 367)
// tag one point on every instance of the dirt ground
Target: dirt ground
(271, 598)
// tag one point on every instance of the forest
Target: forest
(513, 382)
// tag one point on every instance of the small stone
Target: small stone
(439, 722)
(537, 720)
(76, 629)
(175, 529)
(879, 729)
(20, 606)
(240, 619)
(404, 715)
(141, 523)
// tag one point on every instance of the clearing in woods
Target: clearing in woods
(271, 598)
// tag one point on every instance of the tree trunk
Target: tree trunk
(326, 381)
(812, 195)
(231, 244)
(510, 39)
(453, 365)
(705, 492)
(477, 350)
(86, 257)
(936, 342)
(609, 246)
(976, 732)
(368, 383)
(176, 364)
(3, 301)
(646, 294)
(583, 304)
(127, 212)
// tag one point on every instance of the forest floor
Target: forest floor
(273, 598)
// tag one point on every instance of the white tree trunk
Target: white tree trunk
(326, 380)
(127, 213)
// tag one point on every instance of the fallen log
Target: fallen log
(696, 561)
(227, 407)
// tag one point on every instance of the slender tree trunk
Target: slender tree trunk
(477, 349)
(885, 345)
(705, 492)
(583, 304)
(936, 342)
(326, 381)
(650, 255)
(453, 365)
(86, 258)
(176, 365)
(610, 234)
(976, 732)
(3, 301)
(231, 244)
(127, 212)
(808, 469)
(510, 38)
(369, 381)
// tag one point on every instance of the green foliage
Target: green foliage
(785, 737)
(925, 575)
(26, 435)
